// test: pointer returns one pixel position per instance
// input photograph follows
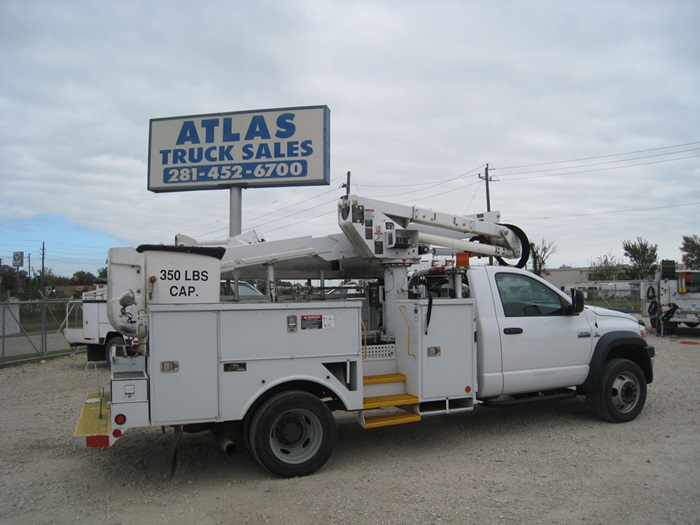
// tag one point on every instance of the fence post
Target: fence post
(2, 357)
(44, 308)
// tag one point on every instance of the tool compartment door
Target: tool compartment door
(183, 365)
(448, 349)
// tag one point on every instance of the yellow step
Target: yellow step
(389, 401)
(384, 378)
(94, 422)
(394, 419)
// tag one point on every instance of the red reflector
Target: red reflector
(97, 441)
(117, 433)
(120, 419)
(468, 389)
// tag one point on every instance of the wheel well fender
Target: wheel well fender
(618, 345)
(305, 385)
(109, 336)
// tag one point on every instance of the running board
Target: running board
(534, 398)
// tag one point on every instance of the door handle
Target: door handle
(512, 331)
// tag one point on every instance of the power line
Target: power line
(598, 157)
(610, 212)
(422, 187)
(420, 183)
(594, 170)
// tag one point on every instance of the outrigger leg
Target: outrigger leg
(176, 442)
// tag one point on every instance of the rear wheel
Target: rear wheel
(115, 340)
(622, 392)
(292, 434)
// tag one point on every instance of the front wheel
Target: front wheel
(622, 392)
(292, 434)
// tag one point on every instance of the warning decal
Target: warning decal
(317, 322)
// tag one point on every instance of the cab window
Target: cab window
(522, 296)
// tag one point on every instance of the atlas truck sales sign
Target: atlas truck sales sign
(271, 147)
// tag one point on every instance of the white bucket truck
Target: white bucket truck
(94, 330)
(672, 298)
(420, 343)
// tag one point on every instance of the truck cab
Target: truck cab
(532, 338)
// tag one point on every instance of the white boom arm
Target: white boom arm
(394, 232)
(376, 234)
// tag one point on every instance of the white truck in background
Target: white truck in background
(419, 343)
(672, 298)
(93, 329)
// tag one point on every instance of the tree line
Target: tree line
(28, 285)
(643, 262)
(643, 259)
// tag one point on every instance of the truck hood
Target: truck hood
(607, 312)
(607, 319)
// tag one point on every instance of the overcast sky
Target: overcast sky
(588, 114)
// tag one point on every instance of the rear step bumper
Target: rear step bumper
(94, 424)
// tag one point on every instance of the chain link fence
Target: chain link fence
(33, 330)
(616, 295)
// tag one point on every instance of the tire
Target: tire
(292, 434)
(622, 392)
(95, 353)
(115, 340)
(670, 328)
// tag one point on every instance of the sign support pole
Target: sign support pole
(235, 211)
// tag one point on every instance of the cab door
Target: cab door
(542, 346)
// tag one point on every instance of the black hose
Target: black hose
(653, 308)
(524, 245)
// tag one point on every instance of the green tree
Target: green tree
(539, 253)
(606, 268)
(8, 280)
(83, 277)
(102, 272)
(643, 256)
(691, 252)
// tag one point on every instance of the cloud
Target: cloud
(419, 93)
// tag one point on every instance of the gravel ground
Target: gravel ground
(545, 463)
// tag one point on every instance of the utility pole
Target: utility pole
(488, 196)
(43, 256)
(487, 179)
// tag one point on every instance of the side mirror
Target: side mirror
(576, 302)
